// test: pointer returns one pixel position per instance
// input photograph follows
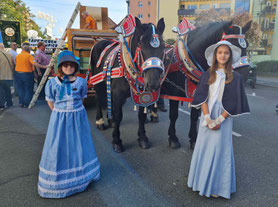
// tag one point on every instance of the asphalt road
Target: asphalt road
(137, 177)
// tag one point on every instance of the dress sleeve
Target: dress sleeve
(84, 89)
(49, 91)
(234, 98)
(32, 61)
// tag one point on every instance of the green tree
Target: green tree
(16, 10)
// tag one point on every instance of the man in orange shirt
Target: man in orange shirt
(24, 75)
(90, 21)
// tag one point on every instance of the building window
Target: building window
(266, 23)
(149, 15)
(140, 16)
(268, 3)
(265, 37)
(149, 3)
(182, 7)
(214, 6)
(204, 6)
(223, 6)
(194, 6)
(140, 4)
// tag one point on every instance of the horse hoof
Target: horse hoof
(174, 144)
(118, 148)
(154, 119)
(101, 127)
(144, 144)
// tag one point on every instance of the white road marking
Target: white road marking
(254, 95)
(188, 113)
(4, 112)
(184, 111)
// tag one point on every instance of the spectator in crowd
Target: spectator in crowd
(13, 50)
(6, 77)
(14, 54)
(42, 59)
(90, 21)
(24, 75)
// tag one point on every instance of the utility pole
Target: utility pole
(274, 52)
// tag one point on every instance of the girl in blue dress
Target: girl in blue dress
(221, 95)
(69, 161)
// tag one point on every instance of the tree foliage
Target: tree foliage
(16, 10)
(211, 15)
(254, 33)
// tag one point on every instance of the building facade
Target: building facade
(145, 10)
(264, 13)
(173, 11)
(190, 9)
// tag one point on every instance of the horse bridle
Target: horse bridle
(150, 63)
(241, 41)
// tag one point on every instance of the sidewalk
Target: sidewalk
(267, 81)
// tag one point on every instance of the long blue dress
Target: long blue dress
(212, 168)
(69, 161)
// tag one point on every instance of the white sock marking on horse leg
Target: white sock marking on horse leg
(100, 121)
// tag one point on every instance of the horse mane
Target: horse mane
(202, 37)
(206, 35)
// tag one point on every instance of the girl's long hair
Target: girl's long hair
(228, 69)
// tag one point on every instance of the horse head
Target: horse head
(236, 35)
(148, 41)
(202, 37)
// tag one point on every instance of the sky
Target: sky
(61, 11)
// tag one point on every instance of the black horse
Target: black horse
(197, 41)
(142, 39)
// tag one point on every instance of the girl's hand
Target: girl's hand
(210, 123)
(215, 128)
(219, 119)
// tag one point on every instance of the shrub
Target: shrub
(170, 41)
(267, 66)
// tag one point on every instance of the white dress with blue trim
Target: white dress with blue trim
(69, 161)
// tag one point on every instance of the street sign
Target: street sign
(48, 43)
(10, 32)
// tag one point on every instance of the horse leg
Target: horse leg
(99, 118)
(117, 117)
(173, 115)
(154, 114)
(194, 115)
(143, 139)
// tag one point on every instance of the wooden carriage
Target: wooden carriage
(81, 41)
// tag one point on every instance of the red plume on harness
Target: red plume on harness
(129, 25)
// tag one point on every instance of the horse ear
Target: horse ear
(161, 26)
(246, 27)
(227, 24)
(139, 25)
